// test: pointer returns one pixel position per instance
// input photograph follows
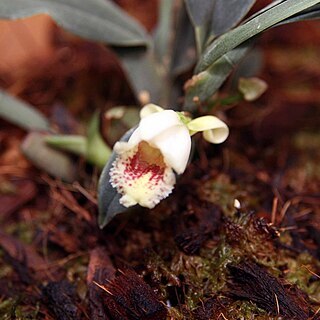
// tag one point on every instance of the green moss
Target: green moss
(199, 277)
(247, 310)
(299, 272)
(7, 187)
(5, 269)
(205, 275)
(24, 230)
(175, 314)
(221, 191)
(77, 272)
(12, 309)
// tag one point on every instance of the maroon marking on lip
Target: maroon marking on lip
(137, 167)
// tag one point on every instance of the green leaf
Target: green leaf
(227, 14)
(263, 21)
(213, 18)
(199, 11)
(97, 151)
(203, 85)
(184, 52)
(249, 66)
(108, 197)
(75, 144)
(266, 8)
(309, 14)
(52, 161)
(21, 113)
(142, 72)
(162, 33)
(97, 20)
(93, 148)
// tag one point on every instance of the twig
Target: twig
(277, 303)
(274, 210)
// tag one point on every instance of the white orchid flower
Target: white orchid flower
(144, 170)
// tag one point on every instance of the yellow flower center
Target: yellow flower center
(149, 155)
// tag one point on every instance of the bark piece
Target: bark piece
(99, 270)
(190, 239)
(61, 297)
(252, 282)
(128, 297)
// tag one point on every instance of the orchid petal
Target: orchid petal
(156, 123)
(217, 135)
(214, 130)
(175, 146)
(149, 109)
(135, 137)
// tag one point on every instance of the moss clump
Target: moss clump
(13, 309)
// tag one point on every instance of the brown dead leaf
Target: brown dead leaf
(25, 190)
(25, 254)
(99, 260)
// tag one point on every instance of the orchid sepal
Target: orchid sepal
(214, 130)
(108, 198)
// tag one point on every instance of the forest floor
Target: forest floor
(195, 256)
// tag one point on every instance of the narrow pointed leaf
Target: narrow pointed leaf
(75, 144)
(92, 147)
(97, 20)
(108, 197)
(227, 14)
(56, 163)
(143, 76)
(266, 8)
(311, 13)
(199, 11)
(265, 20)
(98, 152)
(308, 14)
(249, 66)
(184, 47)
(162, 34)
(203, 85)
(21, 113)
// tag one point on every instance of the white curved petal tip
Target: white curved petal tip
(217, 135)
(214, 130)
(148, 109)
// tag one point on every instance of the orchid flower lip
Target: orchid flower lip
(149, 109)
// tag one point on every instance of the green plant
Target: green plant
(208, 35)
